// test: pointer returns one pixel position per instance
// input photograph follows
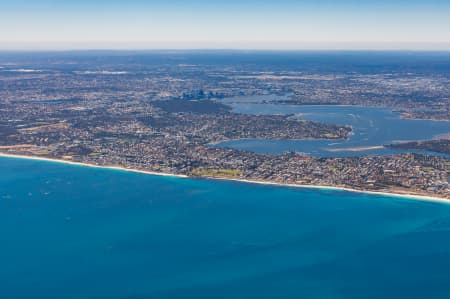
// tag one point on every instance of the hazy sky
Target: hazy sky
(281, 24)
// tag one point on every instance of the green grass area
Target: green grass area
(219, 173)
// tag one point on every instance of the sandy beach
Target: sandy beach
(91, 165)
(335, 188)
(355, 149)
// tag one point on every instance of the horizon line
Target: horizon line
(11, 46)
(222, 50)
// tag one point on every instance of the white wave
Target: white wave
(25, 71)
(101, 72)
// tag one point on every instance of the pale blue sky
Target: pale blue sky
(282, 24)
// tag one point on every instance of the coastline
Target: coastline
(120, 168)
(317, 187)
(337, 188)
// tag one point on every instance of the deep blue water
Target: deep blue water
(372, 126)
(76, 232)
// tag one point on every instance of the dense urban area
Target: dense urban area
(165, 115)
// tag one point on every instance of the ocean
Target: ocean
(77, 232)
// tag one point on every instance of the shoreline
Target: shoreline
(430, 119)
(346, 189)
(355, 149)
(215, 143)
(317, 187)
(111, 167)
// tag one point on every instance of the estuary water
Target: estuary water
(77, 232)
(372, 127)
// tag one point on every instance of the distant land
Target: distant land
(200, 113)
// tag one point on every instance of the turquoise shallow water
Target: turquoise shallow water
(77, 232)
